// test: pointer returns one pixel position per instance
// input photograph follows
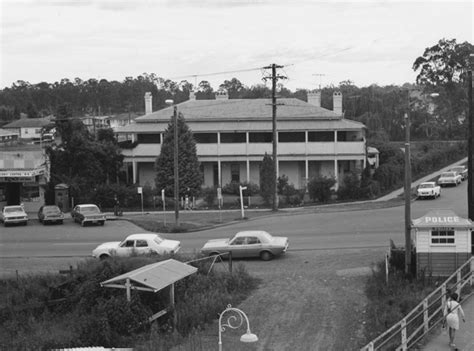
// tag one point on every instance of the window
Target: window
(291, 137)
(442, 236)
(148, 138)
(128, 243)
(142, 243)
(235, 172)
(233, 138)
(320, 136)
(252, 240)
(342, 136)
(239, 241)
(260, 137)
(205, 138)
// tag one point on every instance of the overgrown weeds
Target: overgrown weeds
(51, 311)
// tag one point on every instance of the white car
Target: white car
(462, 170)
(13, 215)
(137, 244)
(428, 189)
(449, 178)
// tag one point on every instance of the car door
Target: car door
(253, 246)
(237, 247)
(125, 249)
(142, 247)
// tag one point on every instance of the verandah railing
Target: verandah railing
(426, 315)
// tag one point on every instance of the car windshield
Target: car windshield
(51, 210)
(90, 209)
(158, 239)
(447, 174)
(12, 209)
(426, 186)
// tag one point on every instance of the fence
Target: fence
(426, 315)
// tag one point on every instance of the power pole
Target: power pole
(274, 77)
(470, 163)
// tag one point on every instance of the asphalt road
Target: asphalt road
(22, 248)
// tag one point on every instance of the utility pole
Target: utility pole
(407, 191)
(176, 174)
(470, 163)
(274, 77)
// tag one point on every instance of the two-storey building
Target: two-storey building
(233, 135)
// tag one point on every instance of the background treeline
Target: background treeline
(441, 69)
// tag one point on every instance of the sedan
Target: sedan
(88, 213)
(137, 244)
(254, 243)
(449, 178)
(13, 215)
(50, 214)
(462, 170)
(428, 189)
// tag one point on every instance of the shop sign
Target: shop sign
(16, 179)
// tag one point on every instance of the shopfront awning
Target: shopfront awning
(442, 218)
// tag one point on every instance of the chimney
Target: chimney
(337, 102)
(221, 94)
(192, 95)
(314, 98)
(148, 104)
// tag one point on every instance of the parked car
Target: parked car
(462, 170)
(137, 244)
(428, 189)
(253, 243)
(88, 213)
(449, 178)
(13, 215)
(50, 214)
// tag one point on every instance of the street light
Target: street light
(235, 321)
(407, 188)
(170, 102)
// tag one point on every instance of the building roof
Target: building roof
(155, 276)
(29, 123)
(441, 218)
(231, 109)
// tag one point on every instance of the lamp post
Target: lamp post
(407, 187)
(470, 160)
(176, 173)
(235, 321)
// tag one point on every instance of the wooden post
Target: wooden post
(230, 261)
(426, 326)
(127, 286)
(403, 327)
(175, 317)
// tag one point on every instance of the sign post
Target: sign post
(219, 202)
(164, 206)
(140, 191)
(242, 199)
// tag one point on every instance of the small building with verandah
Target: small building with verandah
(443, 242)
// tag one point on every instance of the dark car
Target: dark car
(88, 214)
(50, 214)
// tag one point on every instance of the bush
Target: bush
(350, 188)
(91, 315)
(233, 188)
(319, 188)
(209, 195)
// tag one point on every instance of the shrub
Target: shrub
(209, 195)
(350, 188)
(319, 188)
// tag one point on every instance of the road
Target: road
(20, 247)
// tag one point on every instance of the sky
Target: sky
(316, 42)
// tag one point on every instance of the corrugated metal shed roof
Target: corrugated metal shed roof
(29, 123)
(156, 276)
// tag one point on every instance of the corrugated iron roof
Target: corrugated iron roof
(156, 276)
(29, 123)
(240, 109)
(442, 218)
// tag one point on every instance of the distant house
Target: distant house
(29, 128)
(94, 123)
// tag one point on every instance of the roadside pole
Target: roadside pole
(242, 200)
(219, 202)
(164, 206)
(140, 191)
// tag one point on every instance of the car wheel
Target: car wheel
(104, 257)
(61, 222)
(266, 256)
(25, 223)
(213, 254)
(101, 222)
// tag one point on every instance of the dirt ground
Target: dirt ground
(307, 300)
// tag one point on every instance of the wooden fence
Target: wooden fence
(426, 315)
